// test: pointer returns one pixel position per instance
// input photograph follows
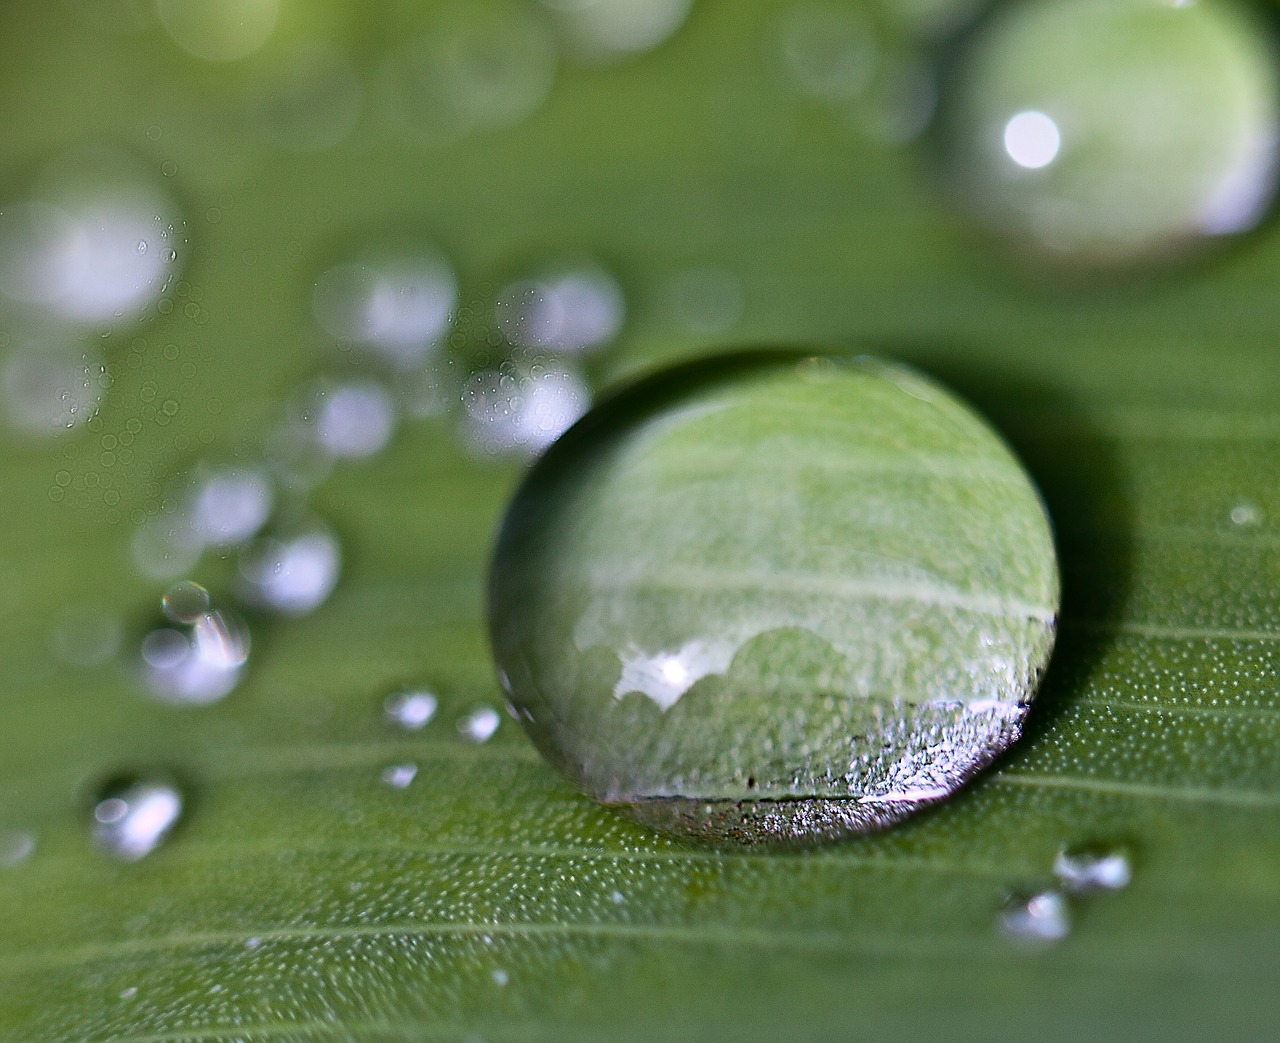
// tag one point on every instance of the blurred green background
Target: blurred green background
(746, 182)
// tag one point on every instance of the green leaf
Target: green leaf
(302, 898)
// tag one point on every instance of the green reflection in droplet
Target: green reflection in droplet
(1110, 131)
(773, 599)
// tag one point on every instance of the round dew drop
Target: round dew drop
(1107, 132)
(774, 599)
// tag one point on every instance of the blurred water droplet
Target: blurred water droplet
(500, 977)
(49, 388)
(410, 710)
(571, 308)
(479, 725)
(829, 49)
(705, 301)
(1081, 870)
(219, 32)
(94, 246)
(1110, 131)
(198, 663)
(228, 506)
(311, 100)
(775, 600)
(292, 570)
(1038, 919)
(87, 636)
(478, 66)
(355, 420)
(599, 31)
(133, 816)
(16, 846)
(185, 602)
(521, 408)
(396, 305)
(399, 776)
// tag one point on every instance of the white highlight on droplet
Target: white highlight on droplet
(666, 676)
(1032, 139)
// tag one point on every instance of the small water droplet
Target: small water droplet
(253, 943)
(1081, 870)
(501, 977)
(399, 776)
(16, 846)
(1113, 131)
(1037, 919)
(479, 725)
(1245, 514)
(772, 599)
(133, 816)
(410, 710)
(129, 993)
(185, 602)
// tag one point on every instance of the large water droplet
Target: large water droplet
(132, 816)
(1107, 131)
(777, 600)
